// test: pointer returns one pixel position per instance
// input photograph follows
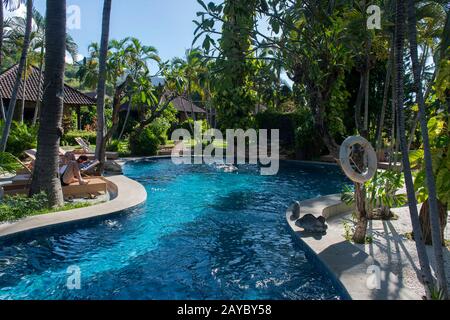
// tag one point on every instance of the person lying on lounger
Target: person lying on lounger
(70, 172)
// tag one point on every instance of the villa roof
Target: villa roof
(7, 80)
(182, 104)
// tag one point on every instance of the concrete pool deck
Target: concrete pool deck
(350, 264)
(125, 194)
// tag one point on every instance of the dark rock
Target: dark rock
(296, 210)
(310, 223)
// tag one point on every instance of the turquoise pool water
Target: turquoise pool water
(202, 234)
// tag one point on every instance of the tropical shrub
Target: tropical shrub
(440, 145)
(8, 163)
(69, 138)
(381, 194)
(119, 146)
(21, 138)
(296, 128)
(17, 207)
(144, 142)
(160, 127)
(190, 123)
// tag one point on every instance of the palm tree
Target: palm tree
(45, 175)
(2, 108)
(431, 185)
(101, 88)
(22, 63)
(426, 276)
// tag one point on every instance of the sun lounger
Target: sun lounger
(33, 152)
(97, 185)
(87, 150)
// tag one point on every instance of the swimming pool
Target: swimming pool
(202, 234)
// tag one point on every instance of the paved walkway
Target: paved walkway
(390, 250)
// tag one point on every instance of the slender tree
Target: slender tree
(20, 70)
(426, 276)
(2, 107)
(431, 184)
(46, 169)
(100, 152)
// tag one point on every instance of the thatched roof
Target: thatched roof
(7, 79)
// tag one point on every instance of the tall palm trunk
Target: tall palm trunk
(2, 107)
(23, 58)
(430, 180)
(125, 122)
(24, 90)
(38, 102)
(426, 276)
(46, 169)
(387, 87)
(100, 151)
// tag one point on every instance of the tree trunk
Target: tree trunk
(125, 121)
(101, 88)
(46, 169)
(2, 107)
(24, 90)
(38, 102)
(361, 225)
(430, 179)
(387, 86)
(23, 58)
(426, 276)
(365, 132)
(426, 225)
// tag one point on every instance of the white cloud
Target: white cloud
(20, 12)
(69, 59)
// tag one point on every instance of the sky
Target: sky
(164, 24)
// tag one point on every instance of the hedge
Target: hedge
(88, 136)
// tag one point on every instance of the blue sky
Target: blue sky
(164, 24)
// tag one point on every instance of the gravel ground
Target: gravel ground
(391, 247)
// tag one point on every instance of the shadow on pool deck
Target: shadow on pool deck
(353, 265)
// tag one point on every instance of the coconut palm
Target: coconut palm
(426, 276)
(22, 63)
(101, 87)
(45, 175)
(2, 108)
(431, 185)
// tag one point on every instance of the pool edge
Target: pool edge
(330, 252)
(130, 194)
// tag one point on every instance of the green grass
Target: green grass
(192, 143)
(19, 207)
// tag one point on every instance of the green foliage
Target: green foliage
(235, 96)
(187, 124)
(19, 207)
(8, 163)
(442, 85)
(119, 146)
(296, 128)
(160, 127)
(69, 138)
(304, 132)
(22, 137)
(380, 191)
(144, 142)
(439, 144)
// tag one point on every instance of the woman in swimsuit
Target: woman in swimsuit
(70, 172)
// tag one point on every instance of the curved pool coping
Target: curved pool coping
(345, 263)
(126, 194)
